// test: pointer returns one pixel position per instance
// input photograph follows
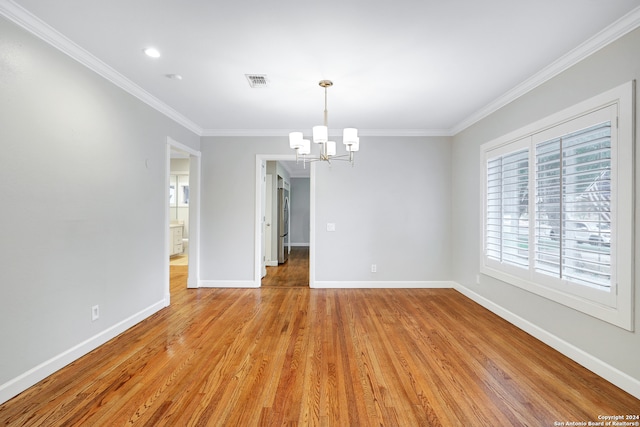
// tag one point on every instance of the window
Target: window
(507, 204)
(573, 207)
(558, 207)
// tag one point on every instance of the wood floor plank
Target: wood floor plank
(335, 357)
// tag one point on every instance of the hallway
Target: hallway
(292, 274)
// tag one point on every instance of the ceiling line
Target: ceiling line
(361, 132)
(36, 26)
(45, 32)
(611, 33)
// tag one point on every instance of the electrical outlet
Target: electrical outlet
(374, 268)
(95, 313)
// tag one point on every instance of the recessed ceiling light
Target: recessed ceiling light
(173, 76)
(152, 52)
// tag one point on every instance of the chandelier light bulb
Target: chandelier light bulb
(305, 148)
(295, 140)
(354, 146)
(320, 134)
(349, 135)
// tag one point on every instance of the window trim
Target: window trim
(616, 307)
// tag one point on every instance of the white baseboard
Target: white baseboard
(272, 263)
(626, 382)
(326, 284)
(228, 284)
(299, 244)
(22, 382)
(335, 284)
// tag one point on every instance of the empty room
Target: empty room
(342, 213)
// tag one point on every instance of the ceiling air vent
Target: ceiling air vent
(257, 80)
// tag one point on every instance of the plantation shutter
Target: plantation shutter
(573, 206)
(507, 227)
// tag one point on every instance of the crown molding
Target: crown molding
(334, 133)
(405, 132)
(619, 28)
(39, 28)
(245, 132)
(28, 21)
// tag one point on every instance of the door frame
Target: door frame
(257, 269)
(193, 279)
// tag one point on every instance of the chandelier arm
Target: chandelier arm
(342, 157)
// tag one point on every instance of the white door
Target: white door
(269, 226)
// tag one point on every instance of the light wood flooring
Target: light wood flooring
(179, 260)
(298, 356)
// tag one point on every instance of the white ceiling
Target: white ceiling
(401, 67)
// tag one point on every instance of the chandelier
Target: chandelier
(321, 137)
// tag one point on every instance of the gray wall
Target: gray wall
(83, 217)
(227, 214)
(393, 208)
(300, 219)
(610, 67)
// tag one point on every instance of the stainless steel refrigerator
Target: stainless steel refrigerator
(283, 225)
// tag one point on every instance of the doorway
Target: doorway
(179, 209)
(296, 270)
(182, 212)
(292, 274)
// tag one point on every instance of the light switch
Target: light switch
(331, 226)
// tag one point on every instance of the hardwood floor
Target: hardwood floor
(179, 260)
(299, 356)
(293, 273)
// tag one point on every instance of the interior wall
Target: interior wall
(83, 172)
(300, 216)
(228, 206)
(613, 65)
(393, 210)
